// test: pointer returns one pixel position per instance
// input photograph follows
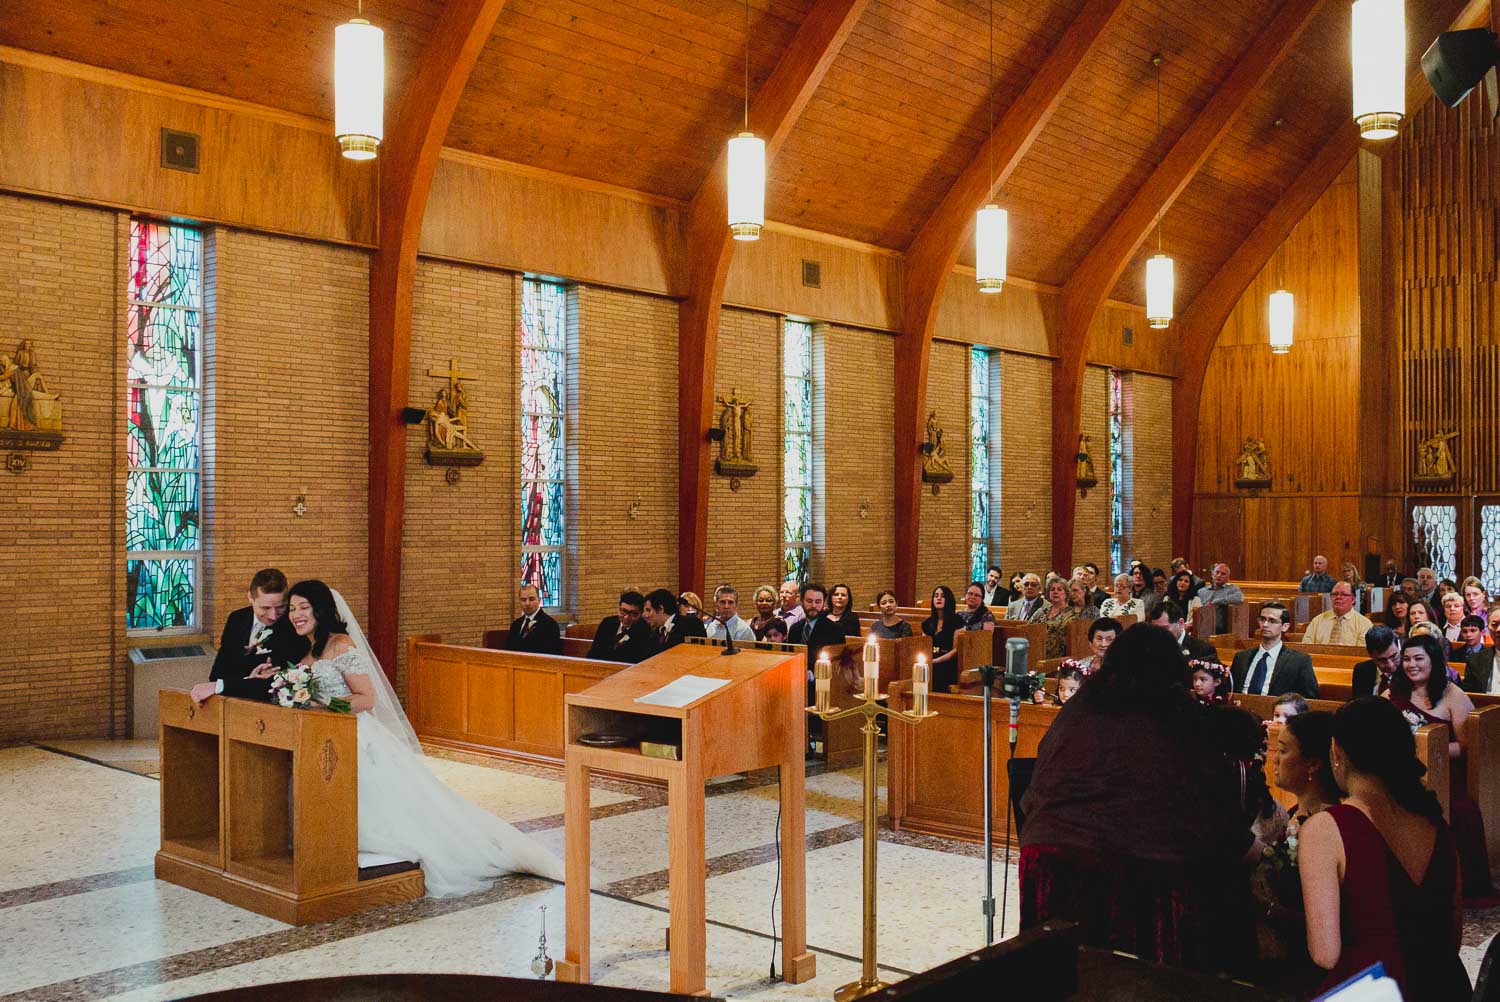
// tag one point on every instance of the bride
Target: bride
(404, 809)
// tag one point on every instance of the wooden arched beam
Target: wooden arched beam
(1090, 284)
(1203, 321)
(933, 253)
(408, 159)
(708, 251)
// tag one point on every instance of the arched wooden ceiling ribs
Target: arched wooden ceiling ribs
(709, 247)
(1086, 290)
(408, 159)
(934, 251)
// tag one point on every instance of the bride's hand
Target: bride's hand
(265, 670)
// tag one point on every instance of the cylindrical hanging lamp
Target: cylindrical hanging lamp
(747, 186)
(991, 245)
(1159, 291)
(1279, 312)
(359, 88)
(1378, 60)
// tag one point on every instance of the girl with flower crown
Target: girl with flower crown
(1212, 683)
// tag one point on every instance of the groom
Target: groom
(252, 636)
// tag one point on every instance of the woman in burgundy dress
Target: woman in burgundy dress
(1424, 694)
(1379, 871)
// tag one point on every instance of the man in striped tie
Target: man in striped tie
(1340, 625)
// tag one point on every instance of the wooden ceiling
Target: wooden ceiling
(643, 93)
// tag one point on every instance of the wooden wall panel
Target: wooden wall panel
(860, 285)
(1217, 532)
(80, 135)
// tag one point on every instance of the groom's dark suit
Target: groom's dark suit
(235, 659)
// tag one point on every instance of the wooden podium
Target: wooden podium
(259, 808)
(754, 722)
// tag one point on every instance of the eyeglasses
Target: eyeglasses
(1273, 620)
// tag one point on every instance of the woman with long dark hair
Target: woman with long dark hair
(1395, 612)
(841, 610)
(1379, 871)
(1144, 867)
(939, 625)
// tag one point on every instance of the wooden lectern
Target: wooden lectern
(754, 722)
(259, 808)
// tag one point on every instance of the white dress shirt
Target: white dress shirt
(1271, 653)
(738, 628)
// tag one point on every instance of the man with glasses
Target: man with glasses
(1373, 677)
(1029, 601)
(1339, 625)
(1272, 668)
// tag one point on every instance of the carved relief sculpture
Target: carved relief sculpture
(1085, 461)
(735, 430)
(935, 468)
(448, 439)
(30, 412)
(1253, 464)
(1435, 465)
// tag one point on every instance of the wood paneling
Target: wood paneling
(82, 136)
(861, 286)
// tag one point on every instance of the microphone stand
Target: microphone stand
(729, 649)
(987, 904)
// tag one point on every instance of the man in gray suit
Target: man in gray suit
(1272, 668)
(1030, 600)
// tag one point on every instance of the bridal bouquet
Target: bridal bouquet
(1277, 887)
(298, 687)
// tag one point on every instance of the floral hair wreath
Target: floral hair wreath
(1213, 668)
(1084, 668)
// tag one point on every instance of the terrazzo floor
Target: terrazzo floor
(82, 917)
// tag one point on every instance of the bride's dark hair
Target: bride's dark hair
(324, 610)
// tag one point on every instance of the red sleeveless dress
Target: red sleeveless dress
(1414, 929)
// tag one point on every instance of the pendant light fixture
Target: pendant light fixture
(359, 87)
(1279, 311)
(991, 223)
(1160, 280)
(747, 168)
(1377, 42)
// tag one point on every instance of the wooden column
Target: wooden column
(1086, 290)
(408, 158)
(933, 253)
(709, 248)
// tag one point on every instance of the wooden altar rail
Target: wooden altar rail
(934, 770)
(572, 646)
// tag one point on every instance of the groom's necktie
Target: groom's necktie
(525, 628)
(1258, 676)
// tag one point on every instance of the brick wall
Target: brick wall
(1024, 504)
(1148, 467)
(62, 669)
(943, 548)
(1091, 518)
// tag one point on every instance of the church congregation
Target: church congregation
(760, 499)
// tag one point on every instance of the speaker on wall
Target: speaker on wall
(1456, 61)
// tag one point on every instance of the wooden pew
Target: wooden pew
(1236, 615)
(573, 646)
(1481, 738)
(1034, 633)
(582, 631)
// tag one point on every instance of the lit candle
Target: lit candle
(920, 678)
(872, 668)
(822, 677)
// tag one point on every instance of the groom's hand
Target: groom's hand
(202, 692)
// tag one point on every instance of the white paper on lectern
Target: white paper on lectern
(682, 691)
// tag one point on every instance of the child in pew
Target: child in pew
(775, 631)
(1212, 684)
(1291, 704)
(1069, 680)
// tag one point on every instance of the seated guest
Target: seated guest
(689, 604)
(1069, 680)
(1158, 581)
(1419, 612)
(1097, 595)
(1479, 670)
(1423, 693)
(1492, 635)
(1470, 640)
(1180, 564)
(1024, 606)
(726, 618)
(1220, 591)
(1390, 577)
(1427, 583)
(1395, 612)
(790, 596)
(1453, 617)
(889, 626)
(775, 631)
(994, 592)
(1373, 677)
(765, 610)
(1056, 616)
(940, 625)
(1015, 586)
(533, 631)
(1122, 603)
(1102, 633)
(1350, 573)
(1317, 579)
(1444, 589)
(668, 628)
(1171, 617)
(814, 630)
(1286, 707)
(1140, 581)
(1181, 589)
(1356, 860)
(975, 615)
(1211, 682)
(1078, 600)
(841, 610)
(1142, 866)
(1409, 589)
(624, 637)
(1339, 625)
(1272, 668)
(1476, 598)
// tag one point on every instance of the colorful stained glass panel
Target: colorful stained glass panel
(161, 511)
(979, 561)
(163, 429)
(162, 345)
(542, 514)
(166, 264)
(541, 448)
(1434, 534)
(796, 563)
(543, 569)
(1116, 473)
(544, 315)
(159, 594)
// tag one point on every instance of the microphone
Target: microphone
(1017, 683)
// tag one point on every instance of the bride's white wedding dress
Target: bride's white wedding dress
(406, 811)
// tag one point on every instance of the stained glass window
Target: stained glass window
(163, 324)
(1489, 547)
(1434, 536)
(979, 463)
(1116, 474)
(544, 373)
(797, 449)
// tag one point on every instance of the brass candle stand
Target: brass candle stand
(870, 708)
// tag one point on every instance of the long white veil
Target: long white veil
(387, 709)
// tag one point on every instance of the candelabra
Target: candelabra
(870, 708)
